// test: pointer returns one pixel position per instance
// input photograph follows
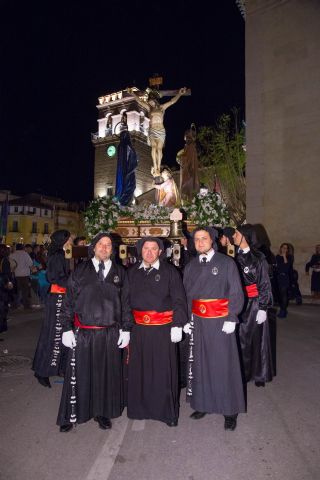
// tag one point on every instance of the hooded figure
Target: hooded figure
(96, 320)
(215, 299)
(50, 355)
(58, 239)
(158, 304)
(254, 332)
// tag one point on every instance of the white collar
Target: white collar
(96, 262)
(207, 255)
(156, 265)
(245, 250)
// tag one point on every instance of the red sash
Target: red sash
(210, 308)
(151, 317)
(252, 290)
(57, 289)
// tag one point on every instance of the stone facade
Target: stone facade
(283, 123)
(105, 167)
(110, 110)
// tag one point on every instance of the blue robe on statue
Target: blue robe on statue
(127, 163)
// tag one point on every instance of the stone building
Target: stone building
(110, 110)
(34, 217)
(283, 123)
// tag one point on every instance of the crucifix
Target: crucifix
(157, 134)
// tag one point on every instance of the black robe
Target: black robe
(50, 355)
(96, 361)
(255, 342)
(315, 277)
(214, 375)
(153, 386)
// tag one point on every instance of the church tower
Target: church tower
(111, 108)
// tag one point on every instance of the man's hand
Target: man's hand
(261, 317)
(124, 339)
(68, 339)
(229, 327)
(183, 90)
(176, 334)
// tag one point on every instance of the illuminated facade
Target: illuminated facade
(33, 218)
(111, 108)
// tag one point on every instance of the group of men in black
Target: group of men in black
(114, 333)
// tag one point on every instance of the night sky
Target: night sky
(57, 58)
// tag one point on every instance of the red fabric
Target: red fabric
(151, 317)
(210, 308)
(252, 290)
(57, 289)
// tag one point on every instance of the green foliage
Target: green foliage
(222, 160)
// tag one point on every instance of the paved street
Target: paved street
(277, 439)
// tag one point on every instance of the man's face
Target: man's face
(81, 243)
(103, 249)
(223, 241)
(202, 241)
(318, 249)
(237, 238)
(150, 252)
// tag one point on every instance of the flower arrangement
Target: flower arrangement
(207, 209)
(103, 214)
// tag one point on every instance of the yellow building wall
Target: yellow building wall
(24, 233)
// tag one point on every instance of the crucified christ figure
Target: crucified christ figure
(157, 133)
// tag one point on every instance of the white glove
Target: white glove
(187, 328)
(176, 334)
(124, 339)
(261, 317)
(68, 339)
(229, 327)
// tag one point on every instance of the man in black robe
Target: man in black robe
(97, 307)
(215, 299)
(50, 356)
(158, 303)
(254, 325)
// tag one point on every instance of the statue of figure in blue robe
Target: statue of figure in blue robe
(126, 165)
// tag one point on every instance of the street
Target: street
(277, 439)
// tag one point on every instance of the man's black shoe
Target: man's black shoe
(66, 428)
(44, 381)
(260, 384)
(230, 422)
(197, 415)
(173, 423)
(104, 422)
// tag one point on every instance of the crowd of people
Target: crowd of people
(136, 336)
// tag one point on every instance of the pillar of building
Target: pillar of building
(283, 123)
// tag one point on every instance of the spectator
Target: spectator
(315, 277)
(5, 286)
(284, 271)
(22, 274)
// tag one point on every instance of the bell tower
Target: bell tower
(111, 109)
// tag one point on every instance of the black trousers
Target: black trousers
(283, 298)
(23, 287)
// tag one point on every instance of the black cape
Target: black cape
(257, 358)
(153, 386)
(95, 364)
(214, 375)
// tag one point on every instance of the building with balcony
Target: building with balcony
(33, 218)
